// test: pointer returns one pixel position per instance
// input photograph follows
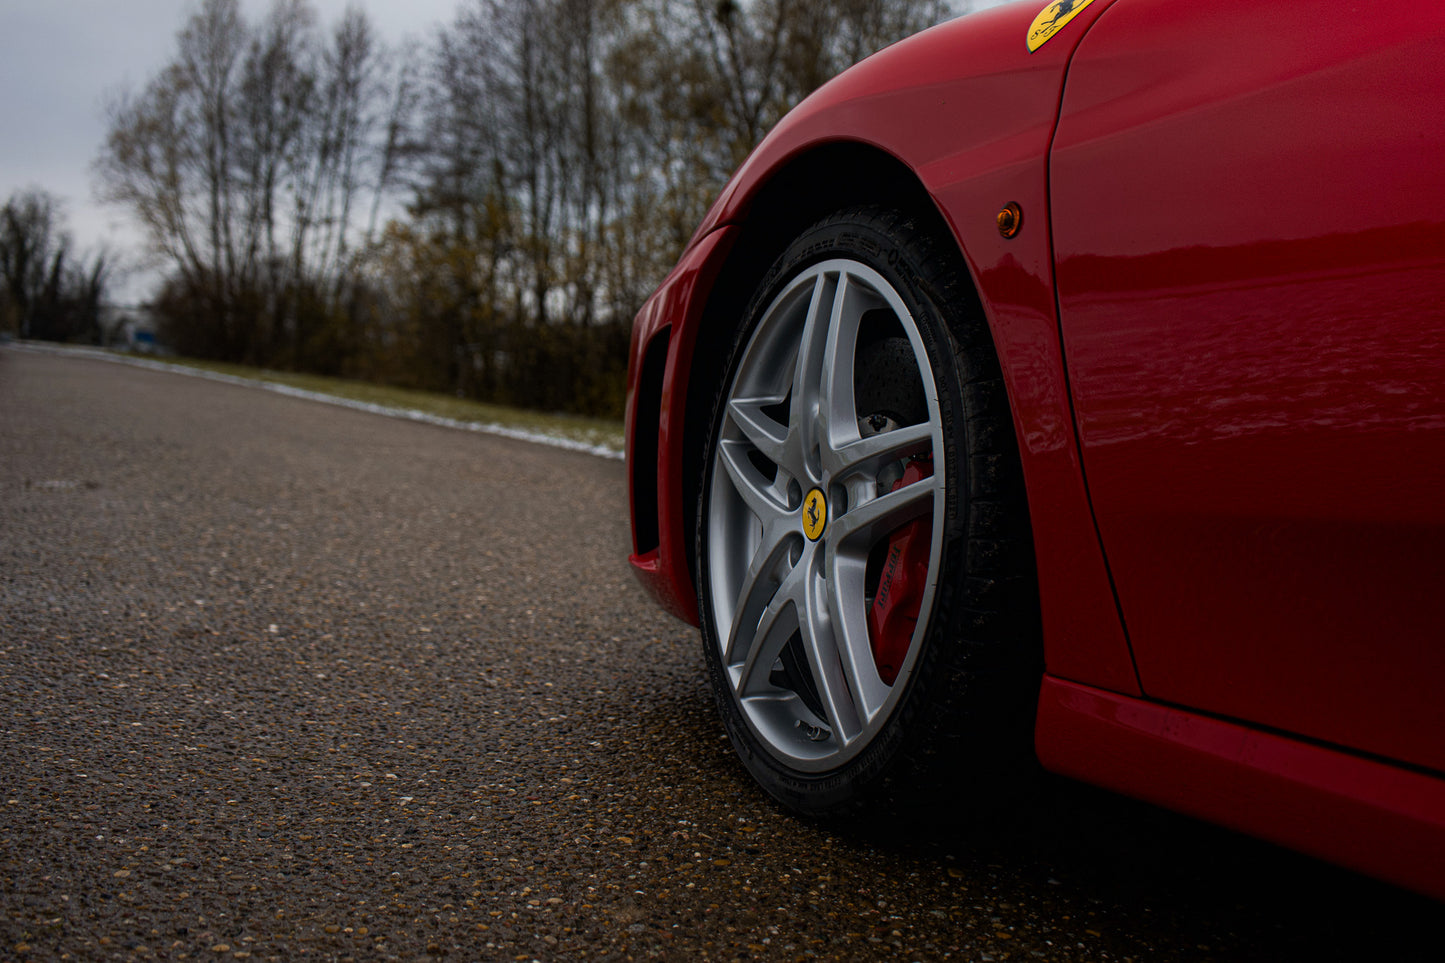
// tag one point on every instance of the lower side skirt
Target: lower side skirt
(1362, 813)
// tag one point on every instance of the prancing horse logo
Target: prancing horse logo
(1061, 9)
(815, 514)
(1051, 20)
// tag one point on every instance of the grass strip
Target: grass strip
(602, 434)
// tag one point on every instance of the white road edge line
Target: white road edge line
(482, 427)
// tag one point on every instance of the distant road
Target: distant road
(557, 437)
(280, 679)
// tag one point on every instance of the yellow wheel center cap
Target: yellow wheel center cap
(815, 514)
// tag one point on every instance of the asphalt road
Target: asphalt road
(282, 680)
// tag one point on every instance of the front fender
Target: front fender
(970, 112)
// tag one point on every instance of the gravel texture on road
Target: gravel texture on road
(283, 680)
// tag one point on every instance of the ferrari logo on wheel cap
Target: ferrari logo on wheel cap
(815, 514)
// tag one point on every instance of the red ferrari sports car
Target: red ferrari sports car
(1069, 384)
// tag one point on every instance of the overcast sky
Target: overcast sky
(60, 58)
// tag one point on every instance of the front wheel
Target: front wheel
(865, 578)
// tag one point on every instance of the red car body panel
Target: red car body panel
(672, 314)
(1311, 728)
(1381, 819)
(1252, 315)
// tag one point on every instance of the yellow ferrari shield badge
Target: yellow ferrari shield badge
(815, 514)
(1052, 19)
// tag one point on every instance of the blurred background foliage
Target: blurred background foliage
(47, 292)
(482, 214)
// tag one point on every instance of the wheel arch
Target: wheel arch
(807, 187)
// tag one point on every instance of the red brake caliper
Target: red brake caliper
(894, 612)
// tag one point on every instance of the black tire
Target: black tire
(959, 711)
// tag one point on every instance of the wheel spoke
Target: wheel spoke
(820, 644)
(760, 494)
(868, 455)
(760, 586)
(828, 661)
(855, 650)
(773, 630)
(863, 525)
(836, 408)
(808, 370)
(766, 434)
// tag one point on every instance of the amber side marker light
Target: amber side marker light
(1010, 219)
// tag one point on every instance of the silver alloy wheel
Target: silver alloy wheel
(788, 568)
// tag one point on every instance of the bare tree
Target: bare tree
(276, 97)
(249, 159)
(28, 242)
(45, 292)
